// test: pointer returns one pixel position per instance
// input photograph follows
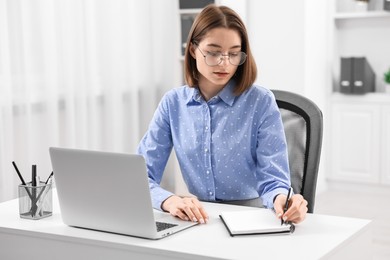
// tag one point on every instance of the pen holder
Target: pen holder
(35, 202)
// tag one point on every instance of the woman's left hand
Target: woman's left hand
(297, 208)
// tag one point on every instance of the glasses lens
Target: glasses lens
(213, 58)
(237, 58)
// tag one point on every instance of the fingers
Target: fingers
(189, 209)
(279, 204)
(297, 209)
(194, 210)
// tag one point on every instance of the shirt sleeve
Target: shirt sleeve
(272, 168)
(155, 147)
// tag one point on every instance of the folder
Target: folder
(356, 76)
(346, 75)
(363, 76)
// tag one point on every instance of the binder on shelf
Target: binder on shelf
(356, 76)
(346, 75)
(363, 76)
(386, 5)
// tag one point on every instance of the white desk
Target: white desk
(318, 237)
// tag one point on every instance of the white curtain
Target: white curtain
(80, 73)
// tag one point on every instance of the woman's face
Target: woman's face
(216, 41)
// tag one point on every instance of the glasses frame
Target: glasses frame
(221, 58)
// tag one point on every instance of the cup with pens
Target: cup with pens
(35, 197)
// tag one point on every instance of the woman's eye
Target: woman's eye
(235, 54)
(214, 54)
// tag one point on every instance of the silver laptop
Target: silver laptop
(109, 192)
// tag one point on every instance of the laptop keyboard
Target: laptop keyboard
(162, 225)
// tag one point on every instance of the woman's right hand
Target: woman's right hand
(187, 208)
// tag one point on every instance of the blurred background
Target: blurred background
(89, 74)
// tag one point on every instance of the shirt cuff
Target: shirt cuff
(268, 198)
(159, 195)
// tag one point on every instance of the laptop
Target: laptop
(109, 192)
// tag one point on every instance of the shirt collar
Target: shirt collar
(226, 94)
(193, 95)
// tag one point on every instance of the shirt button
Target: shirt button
(206, 150)
(210, 193)
(207, 128)
(207, 172)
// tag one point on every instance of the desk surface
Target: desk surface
(319, 236)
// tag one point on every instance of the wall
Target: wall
(290, 40)
(276, 31)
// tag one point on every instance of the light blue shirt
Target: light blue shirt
(229, 148)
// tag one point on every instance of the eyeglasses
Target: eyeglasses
(214, 58)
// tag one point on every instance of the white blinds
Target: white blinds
(73, 73)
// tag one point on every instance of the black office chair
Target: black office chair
(302, 120)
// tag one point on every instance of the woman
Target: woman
(227, 133)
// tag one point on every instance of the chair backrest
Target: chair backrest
(302, 120)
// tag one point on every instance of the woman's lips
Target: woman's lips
(221, 74)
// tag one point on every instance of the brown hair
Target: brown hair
(212, 17)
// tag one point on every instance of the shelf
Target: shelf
(373, 97)
(360, 34)
(190, 11)
(361, 15)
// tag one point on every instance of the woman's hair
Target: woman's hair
(212, 17)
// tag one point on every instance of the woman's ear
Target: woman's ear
(192, 50)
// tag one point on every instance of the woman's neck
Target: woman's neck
(209, 90)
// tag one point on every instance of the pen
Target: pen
(42, 195)
(47, 181)
(34, 176)
(22, 180)
(287, 201)
(48, 178)
(18, 172)
(33, 189)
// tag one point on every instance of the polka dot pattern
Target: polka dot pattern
(229, 148)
